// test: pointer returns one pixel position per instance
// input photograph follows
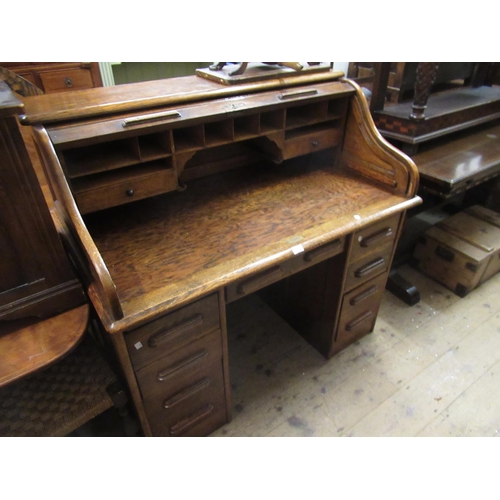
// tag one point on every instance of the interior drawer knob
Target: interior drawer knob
(130, 192)
(68, 82)
(315, 144)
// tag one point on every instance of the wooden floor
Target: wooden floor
(428, 370)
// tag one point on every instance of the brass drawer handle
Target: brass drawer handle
(183, 363)
(369, 240)
(190, 324)
(198, 386)
(190, 421)
(369, 268)
(318, 253)
(138, 120)
(363, 295)
(355, 322)
(260, 281)
(297, 93)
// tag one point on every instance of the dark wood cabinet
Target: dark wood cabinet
(181, 196)
(53, 77)
(36, 277)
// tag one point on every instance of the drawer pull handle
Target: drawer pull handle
(315, 143)
(192, 420)
(198, 386)
(68, 82)
(183, 363)
(363, 295)
(369, 240)
(260, 281)
(318, 253)
(297, 93)
(129, 192)
(171, 333)
(355, 322)
(369, 268)
(138, 120)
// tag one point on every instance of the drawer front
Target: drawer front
(173, 331)
(196, 409)
(295, 264)
(64, 80)
(125, 191)
(360, 308)
(181, 368)
(370, 239)
(362, 270)
(310, 142)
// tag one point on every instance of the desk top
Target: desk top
(99, 101)
(165, 251)
(450, 165)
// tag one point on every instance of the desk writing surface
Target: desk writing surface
(176, 247)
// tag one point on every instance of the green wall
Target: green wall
(130, 72)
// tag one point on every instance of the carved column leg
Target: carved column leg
(426, 75)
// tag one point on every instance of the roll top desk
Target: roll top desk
(177, 197)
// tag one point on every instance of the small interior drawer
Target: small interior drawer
(360, 271)
(308, 141)
(110, 189)
(71, 79)
(360, 308)
(370, 239)
(180, 368)
(173, 331)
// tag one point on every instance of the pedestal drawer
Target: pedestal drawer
(195, 409)
(370, 239)
(173, 331)
(372, 265)
(181, 368)
(360, 308)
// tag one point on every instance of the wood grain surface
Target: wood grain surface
(170, 249)
(30, 344)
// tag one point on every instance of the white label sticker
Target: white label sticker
(297, 249)
(357, 217)
(137, 345)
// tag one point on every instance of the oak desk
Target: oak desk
(166, 230)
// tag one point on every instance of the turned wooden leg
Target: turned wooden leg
(426, 76)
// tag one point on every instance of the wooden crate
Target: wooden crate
(463, 251)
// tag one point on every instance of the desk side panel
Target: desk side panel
(367, 152)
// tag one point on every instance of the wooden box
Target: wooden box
(463, 251)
